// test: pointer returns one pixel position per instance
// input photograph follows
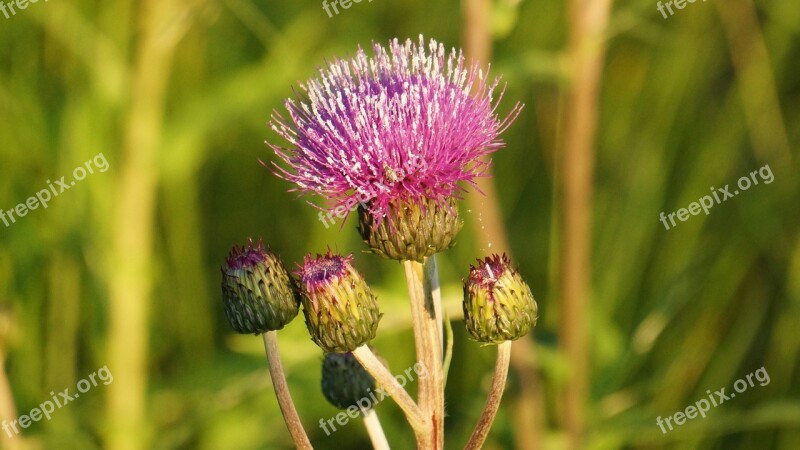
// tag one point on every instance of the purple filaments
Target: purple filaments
(319, 271)
(246, 256)
(487, 272)
(403, 124)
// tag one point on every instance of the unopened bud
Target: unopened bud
(498, 304)
(257, 292)
(345, 382)
(340, 309)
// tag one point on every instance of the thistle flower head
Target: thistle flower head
(340, 309)
(257, 293)
(406, 124)
(498, 304)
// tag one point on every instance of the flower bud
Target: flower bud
(498, 304)
(340, 310)
(410, 230)
(257, 292)
(345, 382)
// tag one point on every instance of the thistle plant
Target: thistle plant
(404, 132)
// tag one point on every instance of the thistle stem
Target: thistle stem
(493, 400)
(375, 430)
(385, 378)
(290, 416)
(431, 283)
(427, 339)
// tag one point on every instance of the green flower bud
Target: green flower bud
(257, 292)
(410, 231)
(340, 310)
(345, 381)
(498, 304)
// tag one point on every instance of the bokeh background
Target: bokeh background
(635, 321)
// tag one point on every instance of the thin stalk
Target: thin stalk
(375, 430)
(586, 55)
(290, 416)
(432, 286)
(448, 354)
(493, 400)
(161, 26)
(755, 81)
(429, 349)
(7, 407)
(375, 367)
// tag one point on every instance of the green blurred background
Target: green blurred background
(123, 269)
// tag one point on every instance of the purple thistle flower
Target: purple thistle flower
(401, 125)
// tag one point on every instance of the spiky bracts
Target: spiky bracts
(257, 293)
(410, 231)
(340, 309)
(498, 304)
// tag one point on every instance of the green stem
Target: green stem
(493, 400)
(386, 380)
(448, 354)
(375, 430)
(427, 337)
(290, 416)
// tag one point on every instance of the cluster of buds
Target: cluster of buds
(340, 310)
(259, 295)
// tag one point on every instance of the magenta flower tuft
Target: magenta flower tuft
(246, 257)
(403, 125)
(318, 272)
(487, 273)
